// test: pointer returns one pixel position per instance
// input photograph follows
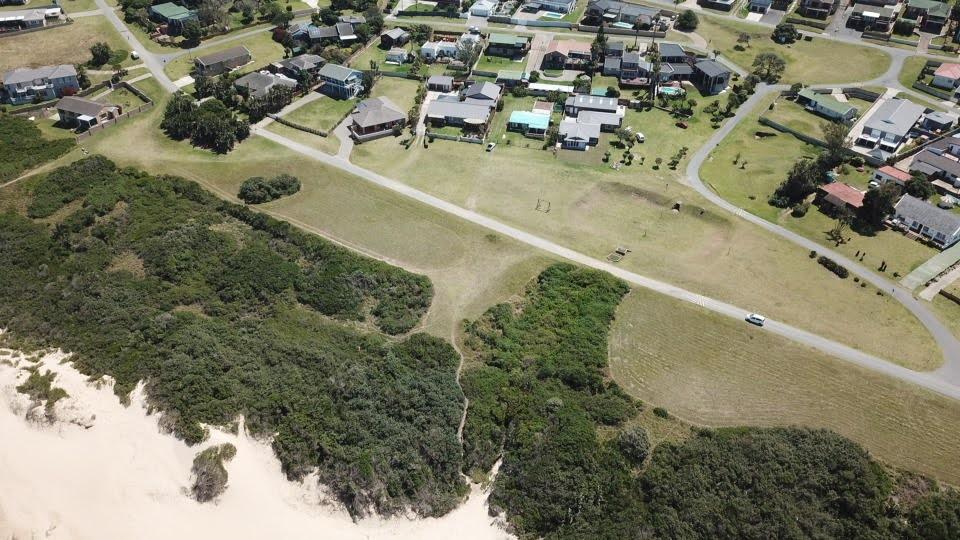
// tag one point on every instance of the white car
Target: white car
(491, 146)
(640, 137)
(756, 318)
(135, 55)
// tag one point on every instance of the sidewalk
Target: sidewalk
(932, 268)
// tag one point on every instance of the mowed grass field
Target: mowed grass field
(595, 209)
(767, 162)
(808, 62)
(911, 69)
(69, 44)
(261, 45)
(712, 370)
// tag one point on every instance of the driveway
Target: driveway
(773, 17)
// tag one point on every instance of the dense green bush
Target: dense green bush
(22, 147)
(219, 321)
(256, 189)
(833, 266)
(208, 125)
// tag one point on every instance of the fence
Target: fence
(780, 127)
(530, 22)
(38, 29)
(932, 90)
(48, 104)
(478, 73)
(294, 125)
(456, 138)
(100, 127)
(860, 93)
(822, 25)
(622, 31)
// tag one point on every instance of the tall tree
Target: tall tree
(599, 44)
(769, 67)
(835, 135)
(100, 54)
(687, 21)
(878, 204)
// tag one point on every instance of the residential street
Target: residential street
(152, 61)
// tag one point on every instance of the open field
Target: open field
(711, 370)
(595, 209)
(805, 59)
(261, 45)
(323, 114)
(69, 44)
(74, 6)
(767, 162)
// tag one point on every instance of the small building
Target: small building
(531, 123)
(433, 50)
(940, 227)
(840, 195)
(567, 54)
(83, 114)
(340, 82)
(448, 110)
(711, 77)
(397, 55)
(542, 89)
(946, 76)
(507, 45)
(509, 78)
(555, 6)
(440, 83)
(817, 9)
(826, 105)
(394, 37)
(27, 18)
(722, 5)
(345, 32)
(671, 53)
(174, 16)
(221, 62)
(26, 85)
(872, 18)
(938, 121)
(483, 8)
(375, 117)
(760, 6)
(931, 15)
(352, 20)
(298, 66)
(890, 124)
(259, 83)
(578, 136)
(888, 173)
(618, 11)
(483, 92)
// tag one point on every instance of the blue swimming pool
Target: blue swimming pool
(552, 15)
(670, 91)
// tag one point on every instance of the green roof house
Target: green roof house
(826, 105)
(511, 78)
(173, 15)
(930, 15)
(507, 45)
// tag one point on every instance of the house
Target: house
(567, 54)
(259, 83)
(839, 195)
(483, 92)
(722, 5)
(574, 105)
(483, 8)
(83, 114)
(556, 6)
(940, 227)
(174, 16)
(575, 135)
(543, 89)
(760, 6)
(352, 20)
(509, 78)
(611, 66)
(433, 50)
(616, 11)
(345, 32)
(531, 123)
(887, 128)
(938, 121)
(711, 77)
(613, 48)
(25, 85)
(947, 76)
(872, 18)
(939, 160)
(223, 61)
(440, 83)
(27, 18)
(448, 110)
(13, 2)
(889, 173)
(507, 45)
(930, 15)
(671, 53)
(298, 66)
(608, 121)
(313, 34)
(677, 72)
(394, 37)
(375, 117)
(397, 55)
(826, 105)
(339, 81)
(817, 9)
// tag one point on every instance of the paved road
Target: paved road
(931, 381)
(152, 61)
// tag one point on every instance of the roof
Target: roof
(345, 30)
(352, 19)
(469, 112)
(593, 102)
(894, 173)
(896, 116)
(171, 11)
(602, 118)
(304, 61)
(259, 83)
(936, 161)
(611, 62)
(376, 111)
(507, 39)
(547, 87)
(81, 106)
(614, 46)
(632, 57)
(337, 72)
(678, 69)
(223, 56)
(22, 75)
(712, 68)
(510, 75)
(671, 49)
(844, 193)
(395, 33)
(950, 71)
(875, 11)
(624, 8)
(535, 120)
(564, 46)
(571, 129)
(932, 7)
(37, 14)
(485, 90)
(941, 118)
(440, 80)
(928, 214)
(827, 101)
(395, 51)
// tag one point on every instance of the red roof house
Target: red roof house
(841, 195)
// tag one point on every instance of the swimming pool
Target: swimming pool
(670, 91)
(628, 26)
(552, 15)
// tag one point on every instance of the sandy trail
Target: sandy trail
(105, 471)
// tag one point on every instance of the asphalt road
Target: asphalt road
(152, 61)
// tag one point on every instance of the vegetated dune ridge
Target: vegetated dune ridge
(102, 470)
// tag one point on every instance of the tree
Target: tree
(634, 444)
(420, 33)
(374, 20)
(835, 135)
(213, 13)
(534, 76)
(469, 52)
(624, 135)
(82, 76)
(842, 218)
(100, 54)
(363, 32)
(768, 67)
(368, 82)
(328, 16)
(613, 91)
(687, 21)
(785, 33)
(192, 32)
(599, 44)
(802, 180)
(282, 19)
(920, 187)
(878, 204)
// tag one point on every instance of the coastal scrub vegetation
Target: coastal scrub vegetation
(209, 473)
(39, 387)
(576, 465)
(234, 313)
(256, 189)
(23, 147)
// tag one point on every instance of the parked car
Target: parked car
(491, 146)
(640, 137)
(756, 318)
(873, 184)
(474, 29)
(135, 55)
(682, 125)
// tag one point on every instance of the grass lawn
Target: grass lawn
(401, 92)
(68, 44)
(323, 114)
(152, 88)
(805, 59)
(496, 63)
(594, 209)
(911, 69)
(709, 369)
(76, 6)
(768, 161)
(603, 82)
(261, 45)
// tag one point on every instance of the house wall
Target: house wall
(944, 82)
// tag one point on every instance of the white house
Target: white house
(433, 50)
(941, 227)
(483, 8)
(396, 55)
(947, 76)
(888, 173)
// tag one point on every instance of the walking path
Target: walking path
(940, 284)
(932, 268)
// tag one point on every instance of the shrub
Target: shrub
(833, 266)
(800, 210)
(634, 444)
(813, 254)
(661, 412)
(256, 189)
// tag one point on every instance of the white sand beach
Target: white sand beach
(103, 470)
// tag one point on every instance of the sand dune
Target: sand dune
(105, 471)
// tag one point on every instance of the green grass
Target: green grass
(151, 88)
(69, 44)
(261, 45)
(911, 70)
(709, 369)
(496, 63)
(323, 114)
(805, 59)
(76, 6)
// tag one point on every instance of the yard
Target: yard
(261, 45)
(805, 59)
(494, 64)
(378, 55)
(711, 370)
(68, 44)
(911, 70)
(762, 163)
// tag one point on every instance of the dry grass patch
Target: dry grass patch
(69, 44)
(129, 262)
